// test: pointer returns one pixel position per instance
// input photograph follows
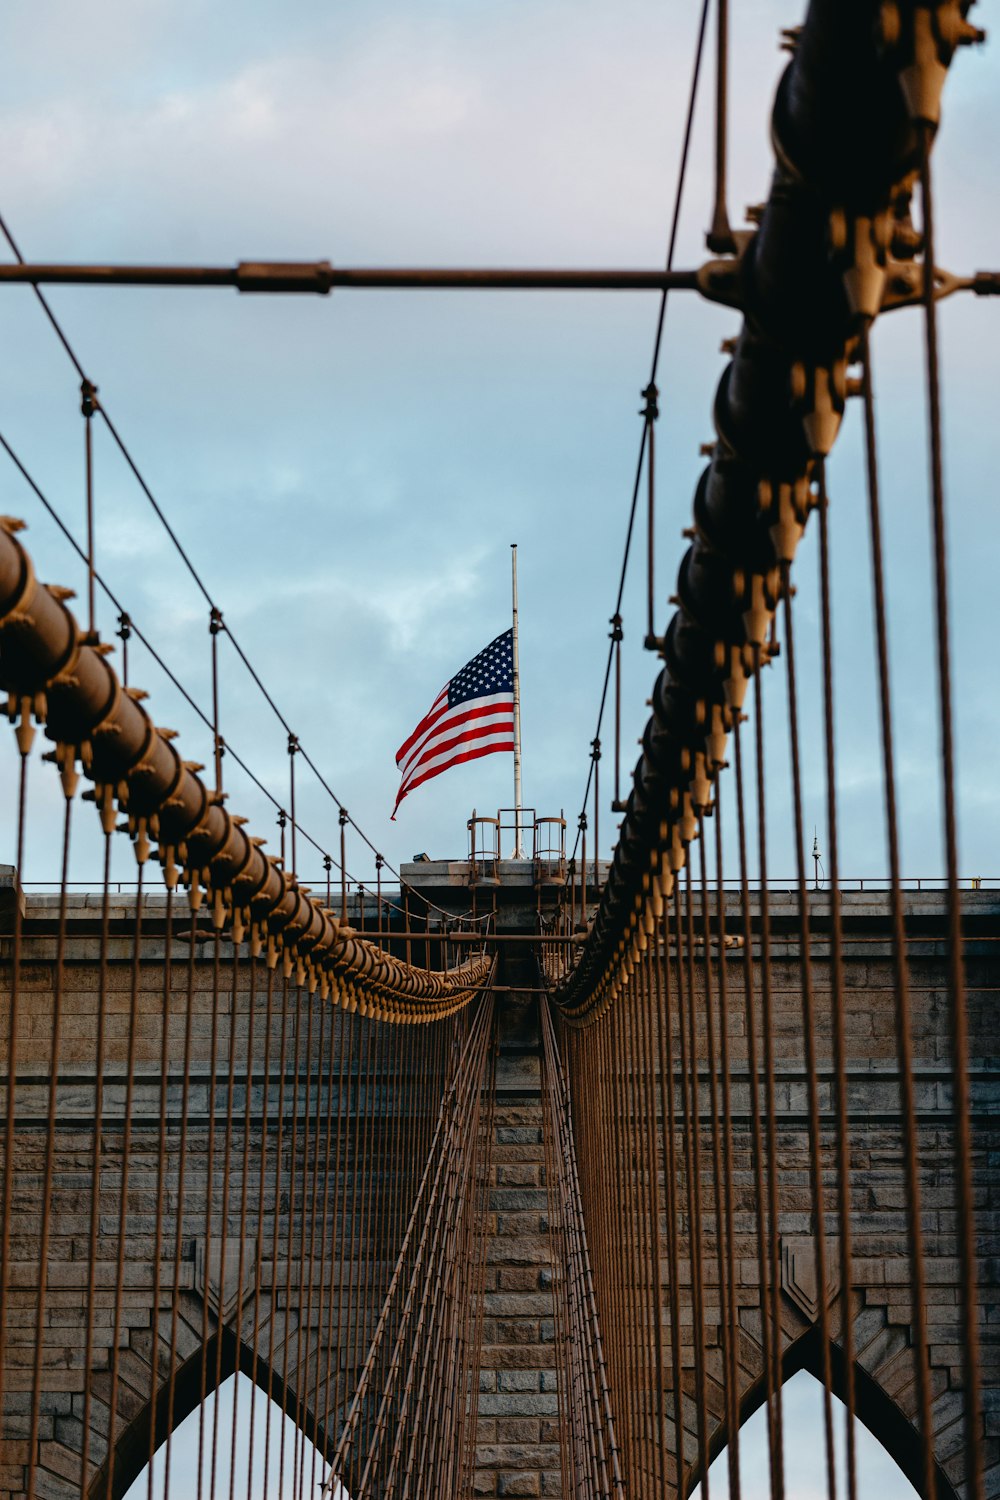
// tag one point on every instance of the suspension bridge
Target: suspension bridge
(539, 1175)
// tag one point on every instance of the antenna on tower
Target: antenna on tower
(815, 860)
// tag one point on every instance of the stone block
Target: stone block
(518, 1380)
(518, 1430)
(519, 1404)
(518, 1279)
(520, 1484)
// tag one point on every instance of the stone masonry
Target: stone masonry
(517, 1449)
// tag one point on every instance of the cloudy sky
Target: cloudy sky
(348, 473)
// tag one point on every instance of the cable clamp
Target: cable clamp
(88, 397)
(285, 276)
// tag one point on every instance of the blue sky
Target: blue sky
(348, 473)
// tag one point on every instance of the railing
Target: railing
(391, 899)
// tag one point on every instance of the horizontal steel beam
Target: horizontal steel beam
(437, 935)
(321, 277)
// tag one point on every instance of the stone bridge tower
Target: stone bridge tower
(235, 1288)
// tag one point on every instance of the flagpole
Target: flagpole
(518, 847)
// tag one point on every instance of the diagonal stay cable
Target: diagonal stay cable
(120, 443)
(654, 366)
(160, 662)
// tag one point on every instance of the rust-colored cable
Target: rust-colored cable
(723, 1218)
(770, 1091)
(958, 1018)
(729, 1170)
(182, 1162)
(49, 1160)
(809, 1030)
(690, 1063)
(123, 1188)
(904, 1039)
(161, 1162)
(768, 1335)
(100, 1054)
(837, 1004)
(670, 1182)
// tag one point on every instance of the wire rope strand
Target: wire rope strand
(293, 1221)
(213, 1058)
(837, 1003)
(244, 1210)
(754, 1069)
(265, 1132)
(691, 1066)
(49, 1158)
(809, 1045)
(100, 1052)
(723, 1221)
(227, 1165)
(25, 737)
(654, 362)
(729, 1171)
(182, 1159)
(670, 1183)
(720, 235)
(961, 1104)
(904, 1039)
(161, 1162)
(126, 1166)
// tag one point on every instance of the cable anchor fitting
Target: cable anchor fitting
(88, 397)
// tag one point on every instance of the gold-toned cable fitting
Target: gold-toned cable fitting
(141, 844)
(68, 774)
(24, 733)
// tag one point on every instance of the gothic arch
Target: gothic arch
(883, 1417)
(130, 1454)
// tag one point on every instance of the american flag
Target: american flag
(472, 715)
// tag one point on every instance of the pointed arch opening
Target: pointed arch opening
(888, 1449)
(242, 1395)
(244, 1444)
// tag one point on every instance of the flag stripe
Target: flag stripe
(457, 718)
(441, 752)
(456, 760)
(437, 708)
